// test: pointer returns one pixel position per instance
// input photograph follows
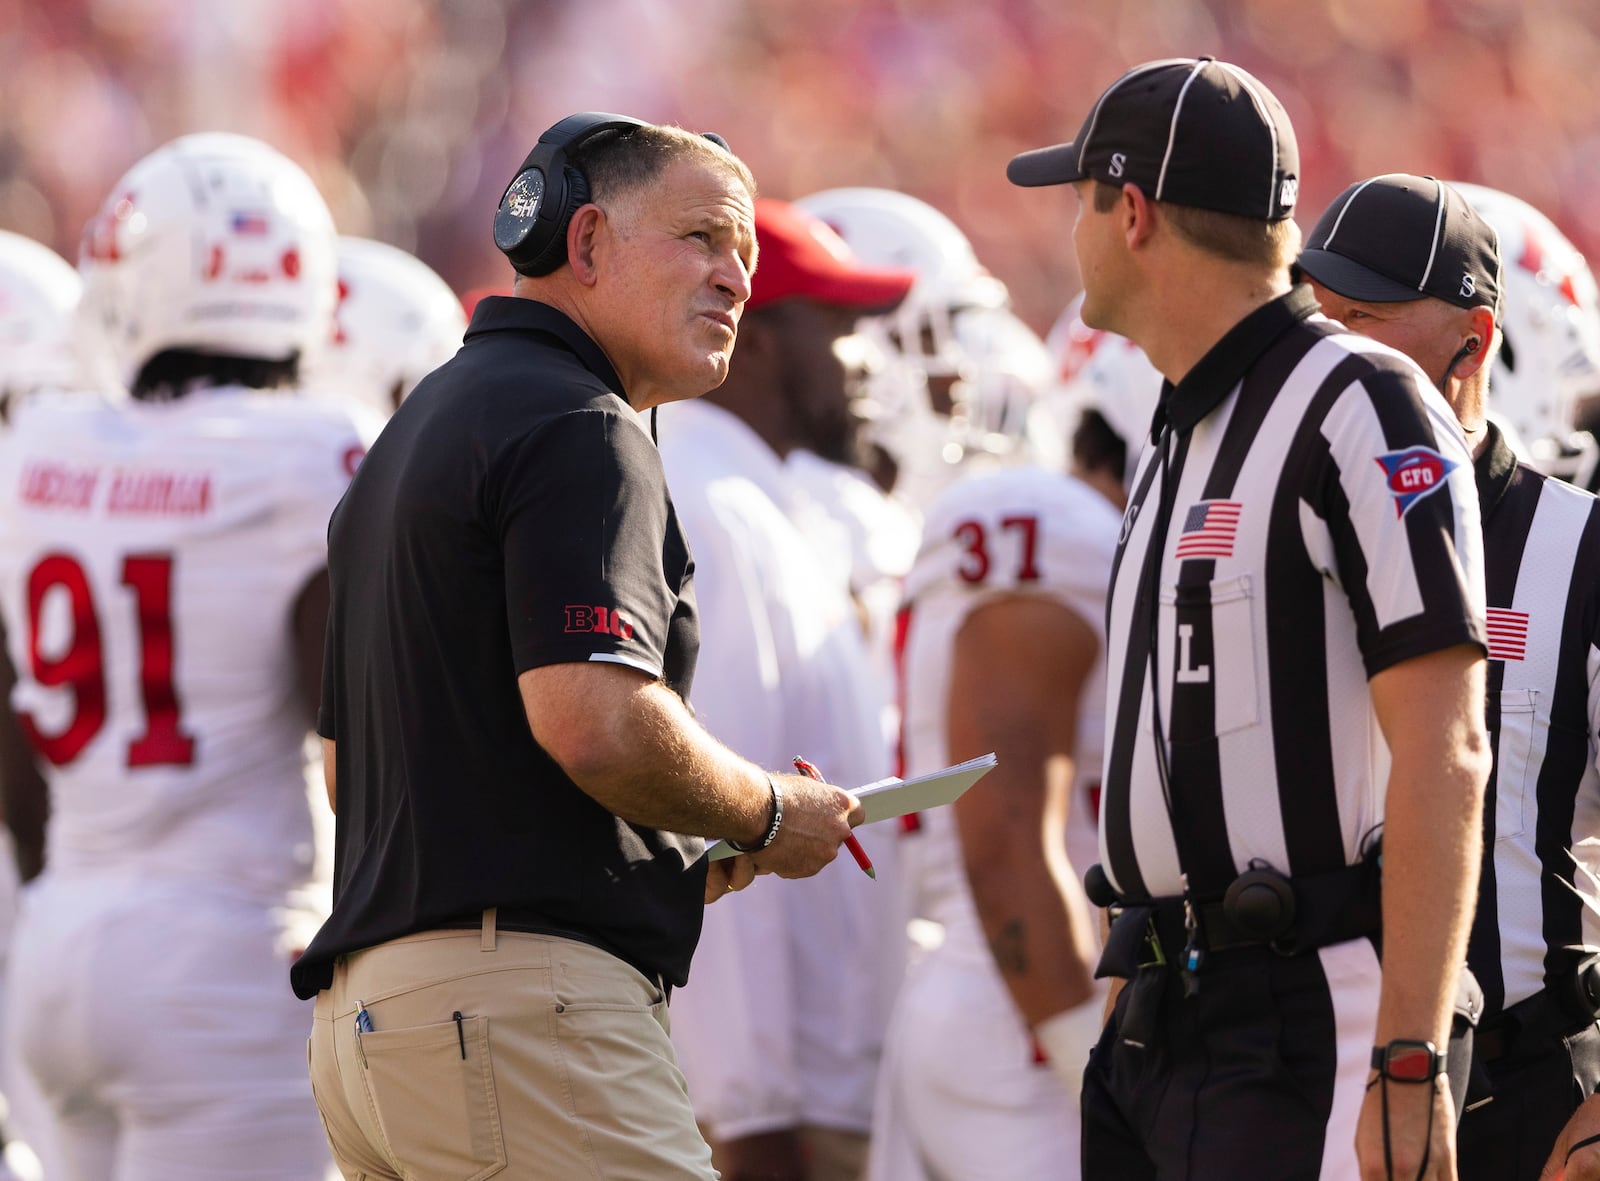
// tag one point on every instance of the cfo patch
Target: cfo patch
(1414, 473)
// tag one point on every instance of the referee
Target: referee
(1294, 666)
(1391, 258)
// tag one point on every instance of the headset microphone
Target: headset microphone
(1472, 345)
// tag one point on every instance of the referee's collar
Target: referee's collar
(513, 313)
(1493, 470)
(1210, 381)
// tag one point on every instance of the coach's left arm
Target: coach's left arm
(1430, 709)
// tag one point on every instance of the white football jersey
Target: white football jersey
(1002, 532)
(870, 539)
(150, 558)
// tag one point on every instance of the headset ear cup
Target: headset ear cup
(537, 245)
(554, 249)
(513, 229)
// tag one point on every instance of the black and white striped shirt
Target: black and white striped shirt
(1322, 526)
(1539, 894)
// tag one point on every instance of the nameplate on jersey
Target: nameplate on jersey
(1414, 473)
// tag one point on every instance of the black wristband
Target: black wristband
(775, 823)
(1408, 1061)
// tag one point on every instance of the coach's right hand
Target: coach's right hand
(817, 817)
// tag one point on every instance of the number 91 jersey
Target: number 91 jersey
(1011, 531)
(151, 555)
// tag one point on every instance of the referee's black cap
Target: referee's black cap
(1400, 237)
(1192, 131)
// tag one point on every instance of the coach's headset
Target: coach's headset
(530, 227)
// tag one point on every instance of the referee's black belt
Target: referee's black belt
(1260, 909)
(1536, 1023)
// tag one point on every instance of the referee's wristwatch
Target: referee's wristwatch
(1407, 1061)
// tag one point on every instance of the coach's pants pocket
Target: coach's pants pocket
(432, 1090)
(608, 1020)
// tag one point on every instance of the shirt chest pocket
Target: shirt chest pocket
(1517, 731)
(1210, 658)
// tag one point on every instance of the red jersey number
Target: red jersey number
(80, 665)
(974, 539)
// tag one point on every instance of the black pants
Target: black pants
(1536, 1087)
(1234, 1082)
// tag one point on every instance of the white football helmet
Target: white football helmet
(1009, 385)
(396, 322)
(1101, 371)
(214, 243)
(1549, 357)
(39, 293)
(927, 434)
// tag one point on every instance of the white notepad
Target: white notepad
(888, 798)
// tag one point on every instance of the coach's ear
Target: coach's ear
(1476, 341)
(585, 242)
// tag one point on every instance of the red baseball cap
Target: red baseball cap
(802, 257)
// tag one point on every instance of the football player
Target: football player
(964, 376)
(38, 296)
(952, 381)
(1003, 639)
(163, 592)
(396, 322)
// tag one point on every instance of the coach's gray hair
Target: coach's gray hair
(620, 163)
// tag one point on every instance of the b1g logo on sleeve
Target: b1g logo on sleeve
(1414, 473)
(605, 620)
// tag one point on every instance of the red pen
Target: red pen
(850, 841)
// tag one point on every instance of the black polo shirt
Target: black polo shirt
(513, 514)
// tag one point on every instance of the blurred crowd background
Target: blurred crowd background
(413, 114)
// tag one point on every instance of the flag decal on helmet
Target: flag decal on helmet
(1414, 473)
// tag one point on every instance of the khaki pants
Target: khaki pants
(500, 1053)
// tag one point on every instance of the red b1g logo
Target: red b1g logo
(605, 620)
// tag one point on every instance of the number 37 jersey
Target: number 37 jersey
(151, 556)
(1008, 532)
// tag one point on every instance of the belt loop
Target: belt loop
(488, 941)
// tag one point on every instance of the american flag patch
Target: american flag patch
(1508, 634)
(1208, 530)
(251, 222)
